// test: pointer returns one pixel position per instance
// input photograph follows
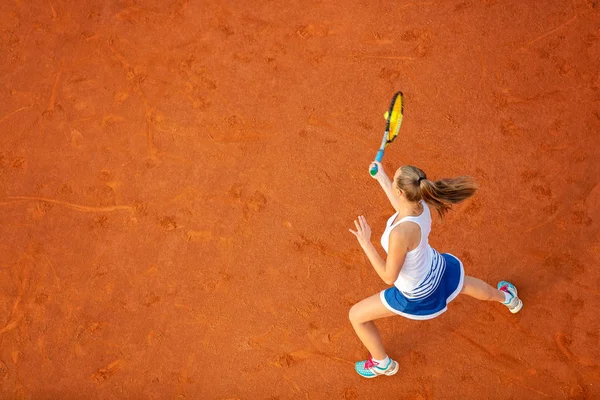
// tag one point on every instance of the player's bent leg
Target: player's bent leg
(369, 309)
(361, 316)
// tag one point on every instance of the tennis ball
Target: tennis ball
(386, 115)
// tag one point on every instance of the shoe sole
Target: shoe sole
(393, 370)
(517, 308)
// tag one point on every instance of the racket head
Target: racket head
(394, 117)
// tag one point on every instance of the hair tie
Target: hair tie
(420, 179)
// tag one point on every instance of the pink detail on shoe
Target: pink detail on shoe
(370, 363)
(504, 288)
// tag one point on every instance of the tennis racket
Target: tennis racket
(393, 119)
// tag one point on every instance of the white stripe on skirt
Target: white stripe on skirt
(431, 282)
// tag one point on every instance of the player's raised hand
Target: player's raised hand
(380, 172)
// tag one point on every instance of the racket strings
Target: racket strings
(395, 119)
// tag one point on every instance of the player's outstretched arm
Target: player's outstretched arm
(384, 181)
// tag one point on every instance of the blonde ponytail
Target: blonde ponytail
(438, 194)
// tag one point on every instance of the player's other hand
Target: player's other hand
(362, 232)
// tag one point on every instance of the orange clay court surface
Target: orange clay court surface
(177, 180)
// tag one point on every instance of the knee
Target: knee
(354, 314)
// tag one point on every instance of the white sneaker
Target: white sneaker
(514, 304)
(371, 369)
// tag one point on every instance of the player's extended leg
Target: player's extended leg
(505, 294)
(361, 316)
(481, 290)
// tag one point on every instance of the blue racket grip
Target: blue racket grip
(378, 158)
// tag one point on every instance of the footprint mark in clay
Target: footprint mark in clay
(168, 223)
(3, 371)
(107, 372)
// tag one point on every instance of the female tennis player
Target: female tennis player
(424, 281)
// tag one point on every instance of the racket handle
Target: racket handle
(378, 158)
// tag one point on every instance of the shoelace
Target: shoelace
(370, 363)
(504, 289)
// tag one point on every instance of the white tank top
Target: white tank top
(423, 267)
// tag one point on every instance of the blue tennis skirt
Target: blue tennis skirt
(437, 302)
